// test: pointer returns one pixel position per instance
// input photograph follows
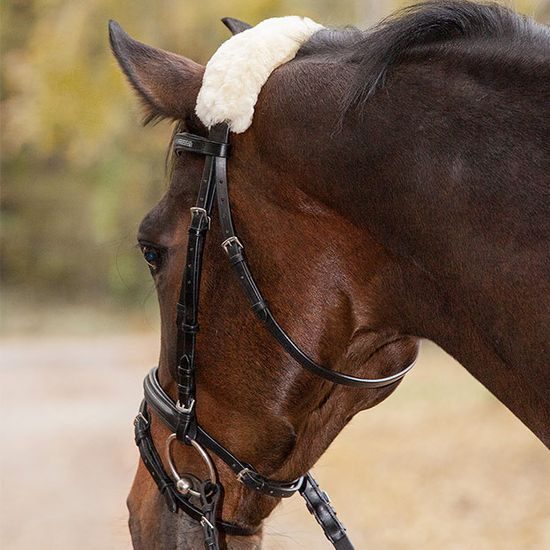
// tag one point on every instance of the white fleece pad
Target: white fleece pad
(240, 67)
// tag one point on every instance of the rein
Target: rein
(197, 498)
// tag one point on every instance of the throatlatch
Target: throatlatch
(199, 499)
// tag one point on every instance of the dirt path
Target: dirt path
(440, 464)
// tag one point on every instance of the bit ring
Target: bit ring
(184, 484)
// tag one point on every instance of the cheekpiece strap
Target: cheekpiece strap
(185, 141)
(215, 147)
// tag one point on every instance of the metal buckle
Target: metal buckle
(242, 473)
(205, 521)
(198, 210)
(138, 416)
(183, 409)
(231, 240)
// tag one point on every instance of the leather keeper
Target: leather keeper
(186, 430)
(260, 309)
(235, 257)
(190, 329)
(199, 225)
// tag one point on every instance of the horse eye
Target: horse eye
(152, 256)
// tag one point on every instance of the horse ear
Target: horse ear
(168, 84)
(235, 25)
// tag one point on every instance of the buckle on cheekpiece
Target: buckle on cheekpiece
(234, 240)
(201, 215)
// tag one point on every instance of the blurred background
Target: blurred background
(441, 463)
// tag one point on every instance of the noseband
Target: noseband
(197, 498)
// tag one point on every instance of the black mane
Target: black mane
(379, 49)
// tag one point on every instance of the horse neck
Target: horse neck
(418, 305)
(437, 305)
(452, 188)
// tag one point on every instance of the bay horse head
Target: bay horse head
(343, 260)
(325, 278)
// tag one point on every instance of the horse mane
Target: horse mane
(382, 47)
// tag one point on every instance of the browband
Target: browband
(197, 144)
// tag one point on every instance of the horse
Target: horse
(393, 186)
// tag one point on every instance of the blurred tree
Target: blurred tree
(77, 173)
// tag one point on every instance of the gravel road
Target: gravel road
(439, 464)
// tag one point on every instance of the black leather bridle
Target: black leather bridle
(197, 498)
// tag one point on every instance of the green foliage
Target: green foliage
(78, 173)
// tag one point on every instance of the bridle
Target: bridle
(199, 498)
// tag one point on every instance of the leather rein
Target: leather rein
(199, 498)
